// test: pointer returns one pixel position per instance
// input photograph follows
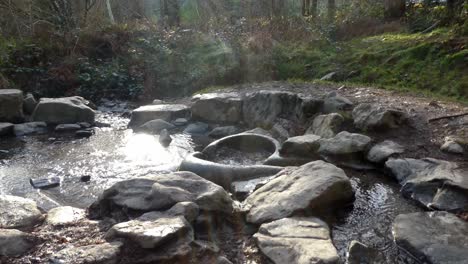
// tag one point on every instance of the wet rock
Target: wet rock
(375, 117)
(155, 193)
(101, 124)
(297, 241)
(433, 237)
(382, 151)
(218, 108)
(11, 105)
(312, 187)
(180, 122)
(326, 126)
(335, 103)
(220, 132)
(305, 146)
(156, 126)
(359, 253)
(14, 243)
(106, 253)
(189, 210)
(165, 138)
(436, 184)
(67, 110)
(85, 178)
(6, 129)
(344, 144)
(19, 213)
(46, 183)
(67, 127)
(152, 234)
(451, 146)
(85, 124)
(197, 128)
(260, 109)
(29, 104)
(66, 215)
(30, 128)
(166, 112)
(84, 133)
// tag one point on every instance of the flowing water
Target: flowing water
(116, 153)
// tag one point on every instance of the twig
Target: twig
(448, 116)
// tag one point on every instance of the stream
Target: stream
(116, 153)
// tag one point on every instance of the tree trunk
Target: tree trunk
(331, 10)
(314, 8)
(109, 12)
(394, 9)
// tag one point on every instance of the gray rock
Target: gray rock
(259, 131)
(359, 253)
(155, 193)
(223, 260)
(155, 126)
(242, 189)
(220, 132)
(332, 76)
(335, 103)
(313, 186)
(180, 122)
(86, 125)
(382, 151)
(311, 107)
(279, 132)
(433, 237)
(29, 104)
(67, 110)
(297, 241)
(436, 184)
(326, 126)
(260, 109)
(67, 127)
(165, 138)
(375, 117)
(18, 213)
(166, 112)
(84, 133)
(152, 234)
(451, 146)
(158, 102)
(30, 128)
(66, 215)
(197, 128)
(106, 253)
(6, 129)
(305, 146)
(218, 108)
(11, 105)
(14, 243)
(344, 143)
(189, 210)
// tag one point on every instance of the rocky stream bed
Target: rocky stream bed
(265, 173)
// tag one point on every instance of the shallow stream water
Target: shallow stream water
(116, 153)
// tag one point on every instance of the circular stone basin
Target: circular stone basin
(238, 157)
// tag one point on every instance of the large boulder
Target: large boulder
(105, 253)
(375, 117)
(303, 146)
(30, 128)
(383, 150)
(436, 184)
(312, 187)
(166, 112)
(6, 129)
(297, 241)
(345, 144)
(260, 109)
(326, 126)
(65, 215)
(152, 234)
(159, 192)
(335, 103)
(433, 237)
(29, 104)
(11, 105)
(218, 108)
(14, 243)
(67, 110)
(18, 212)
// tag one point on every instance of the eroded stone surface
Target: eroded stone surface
(344, 143)
(306, 145)
(18, 212)
(371, 117)
(326, 126)
(218, 108)
(382, 151)
(67, 110)
(65, 215)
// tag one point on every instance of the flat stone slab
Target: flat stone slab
(314, 186)
(218, 108)
(166, 112)
(106, 253)
(65, 215)
(297, 241)
(151, 234)
(14, 243)
(433, 237)
(17, 212)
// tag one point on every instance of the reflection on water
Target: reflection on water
(112, 155)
